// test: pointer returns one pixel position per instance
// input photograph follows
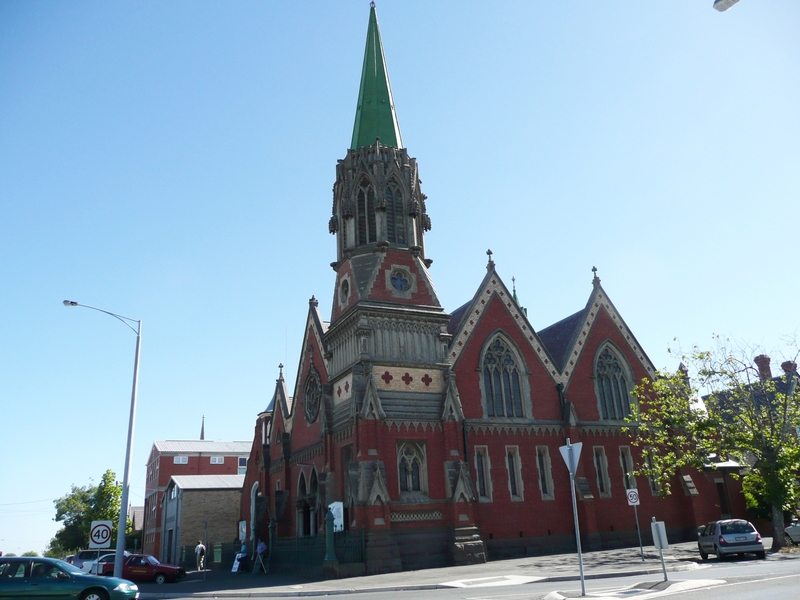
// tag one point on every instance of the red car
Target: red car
(143, 567)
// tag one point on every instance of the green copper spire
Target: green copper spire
(375, 116)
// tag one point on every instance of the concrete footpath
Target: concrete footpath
(558, 568)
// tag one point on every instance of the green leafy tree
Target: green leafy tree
(30, 553)
(79, 508)
(726, 411)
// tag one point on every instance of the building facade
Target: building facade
(184, 457)
(440, 432)
(199, 508)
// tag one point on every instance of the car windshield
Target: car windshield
(736, 527)
(71, 569)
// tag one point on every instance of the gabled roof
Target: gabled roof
(375, 114)
(564, 339)
(466, 318)
(208, 482)
(201, 446)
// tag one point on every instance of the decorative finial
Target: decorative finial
(490, 264)
(280, 369)
(595, 278)
(313, 302)
(514, 284)
(372, 5)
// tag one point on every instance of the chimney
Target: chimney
(764, 372)
(789, 367)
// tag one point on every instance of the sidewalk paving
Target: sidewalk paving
(553, 568)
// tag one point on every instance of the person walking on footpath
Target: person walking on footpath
(200, 555)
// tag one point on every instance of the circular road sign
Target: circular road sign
(633, 497)
(100, 534)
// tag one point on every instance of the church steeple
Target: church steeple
(375, 114)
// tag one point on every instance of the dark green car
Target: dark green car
(47, 578)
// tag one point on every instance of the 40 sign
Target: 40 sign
(100, 534)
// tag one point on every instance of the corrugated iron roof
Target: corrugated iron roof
(203, 446)
(208, 482)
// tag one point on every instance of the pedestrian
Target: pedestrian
(243, 558)
(200, 555)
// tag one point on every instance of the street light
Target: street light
(123, 509)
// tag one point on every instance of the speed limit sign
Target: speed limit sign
(100, 534)
(633, 497)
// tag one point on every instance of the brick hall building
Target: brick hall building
(440, 431)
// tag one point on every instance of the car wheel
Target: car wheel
(721, 556)
(703, 554)
(94, 595)
(762, 554)
(160, 578)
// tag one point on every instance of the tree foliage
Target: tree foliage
(725, 411)
(79, 508)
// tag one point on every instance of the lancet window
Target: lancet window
(395, 218)
(613, 385)
(365, 201)
(411, 468)
(502, 384)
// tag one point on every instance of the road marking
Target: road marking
(492, 581)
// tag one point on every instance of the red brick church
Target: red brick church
(439, 431)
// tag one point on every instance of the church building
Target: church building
(439, 432)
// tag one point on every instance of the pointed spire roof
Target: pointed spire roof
(375, 114)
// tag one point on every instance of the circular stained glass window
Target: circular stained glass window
(312, 396)
(401, 281)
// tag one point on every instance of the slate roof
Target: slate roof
(208, 482)
(558, 337)
(202, 446)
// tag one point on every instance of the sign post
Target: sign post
(633, 500)
(571, 454)
(660, 541)
(99, 537)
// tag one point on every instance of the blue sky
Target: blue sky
(173, 162)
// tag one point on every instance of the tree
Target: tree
(80, 507)
(744, 414)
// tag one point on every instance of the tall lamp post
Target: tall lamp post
(123, 509)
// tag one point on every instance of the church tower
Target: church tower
(379, 220)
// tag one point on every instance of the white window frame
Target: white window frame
(601, 468)
(217, 460)
(483, 467)
(180, 459)
(544, 472)
(242, 468)
(627, 465)
(517, 473)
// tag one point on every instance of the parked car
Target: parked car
(728, 537)
(47, 578)
(85, 555)
(144, 567)
(90, 566)
(793, 531)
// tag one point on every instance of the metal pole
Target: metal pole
(123, 509)
(577, 530)
(638, 530)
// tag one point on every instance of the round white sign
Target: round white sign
(633, 497)
(100, 534)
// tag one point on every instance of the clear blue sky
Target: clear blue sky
(173, 162)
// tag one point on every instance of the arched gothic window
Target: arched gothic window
(411, 468)
(613, 385)
(502, 389)
(301, 488)
(366, 213)
(395, 219)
